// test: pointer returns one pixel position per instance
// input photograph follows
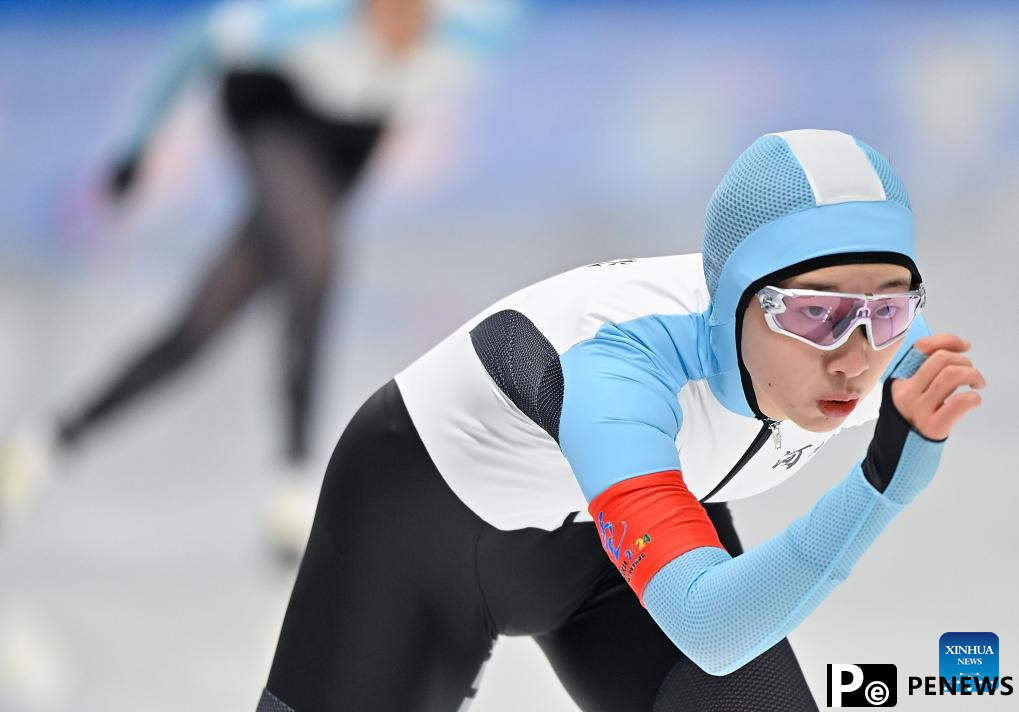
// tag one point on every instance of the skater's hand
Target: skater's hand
(928, 399)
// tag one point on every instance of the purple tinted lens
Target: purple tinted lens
(817, 318)
(890, 317)
(824, 320)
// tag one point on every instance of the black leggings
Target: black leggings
(300, 166)
(403, 590)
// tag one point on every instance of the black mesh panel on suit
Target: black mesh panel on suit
(271, 703)
(771, 682)
(524, 364)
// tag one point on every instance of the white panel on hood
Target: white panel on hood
(836, 167)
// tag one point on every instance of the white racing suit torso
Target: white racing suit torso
(510, 470)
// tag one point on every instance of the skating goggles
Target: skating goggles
(826, 320)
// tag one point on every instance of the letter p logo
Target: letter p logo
(861, 685)
(842, 677)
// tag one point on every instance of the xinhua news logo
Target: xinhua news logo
(967, 666)
(861, 685)
(969, 655)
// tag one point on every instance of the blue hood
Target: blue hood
(818, 229)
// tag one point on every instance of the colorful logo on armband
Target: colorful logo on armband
(607, 531)
(633, 556)
(613, 541)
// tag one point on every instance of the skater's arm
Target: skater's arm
(723, 612)
(618, 428)
(241, 34)
(193, 53)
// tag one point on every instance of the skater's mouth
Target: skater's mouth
(838, 405)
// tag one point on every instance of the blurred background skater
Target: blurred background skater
(308, 88)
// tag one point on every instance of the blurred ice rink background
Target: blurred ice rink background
(600, 136)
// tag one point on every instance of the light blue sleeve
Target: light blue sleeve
(191, 54)
(722, 612)
(620, 415)
(260, 32)
(917, 331)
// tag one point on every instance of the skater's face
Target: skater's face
(398, 24)
(795, 381)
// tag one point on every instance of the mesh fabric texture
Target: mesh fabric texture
(895, 191)
(752, 688)
(271, 703)
(765, 183)
(909, 364)
(917, 465)
(524, 364)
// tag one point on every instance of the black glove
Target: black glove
(123, 175)
(890, 434)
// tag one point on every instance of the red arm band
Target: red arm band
(645, 522)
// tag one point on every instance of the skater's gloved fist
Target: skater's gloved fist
(931, 399)
(122, 175)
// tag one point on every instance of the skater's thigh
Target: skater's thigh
(385, 612)
(359, 636)
(611, 656)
